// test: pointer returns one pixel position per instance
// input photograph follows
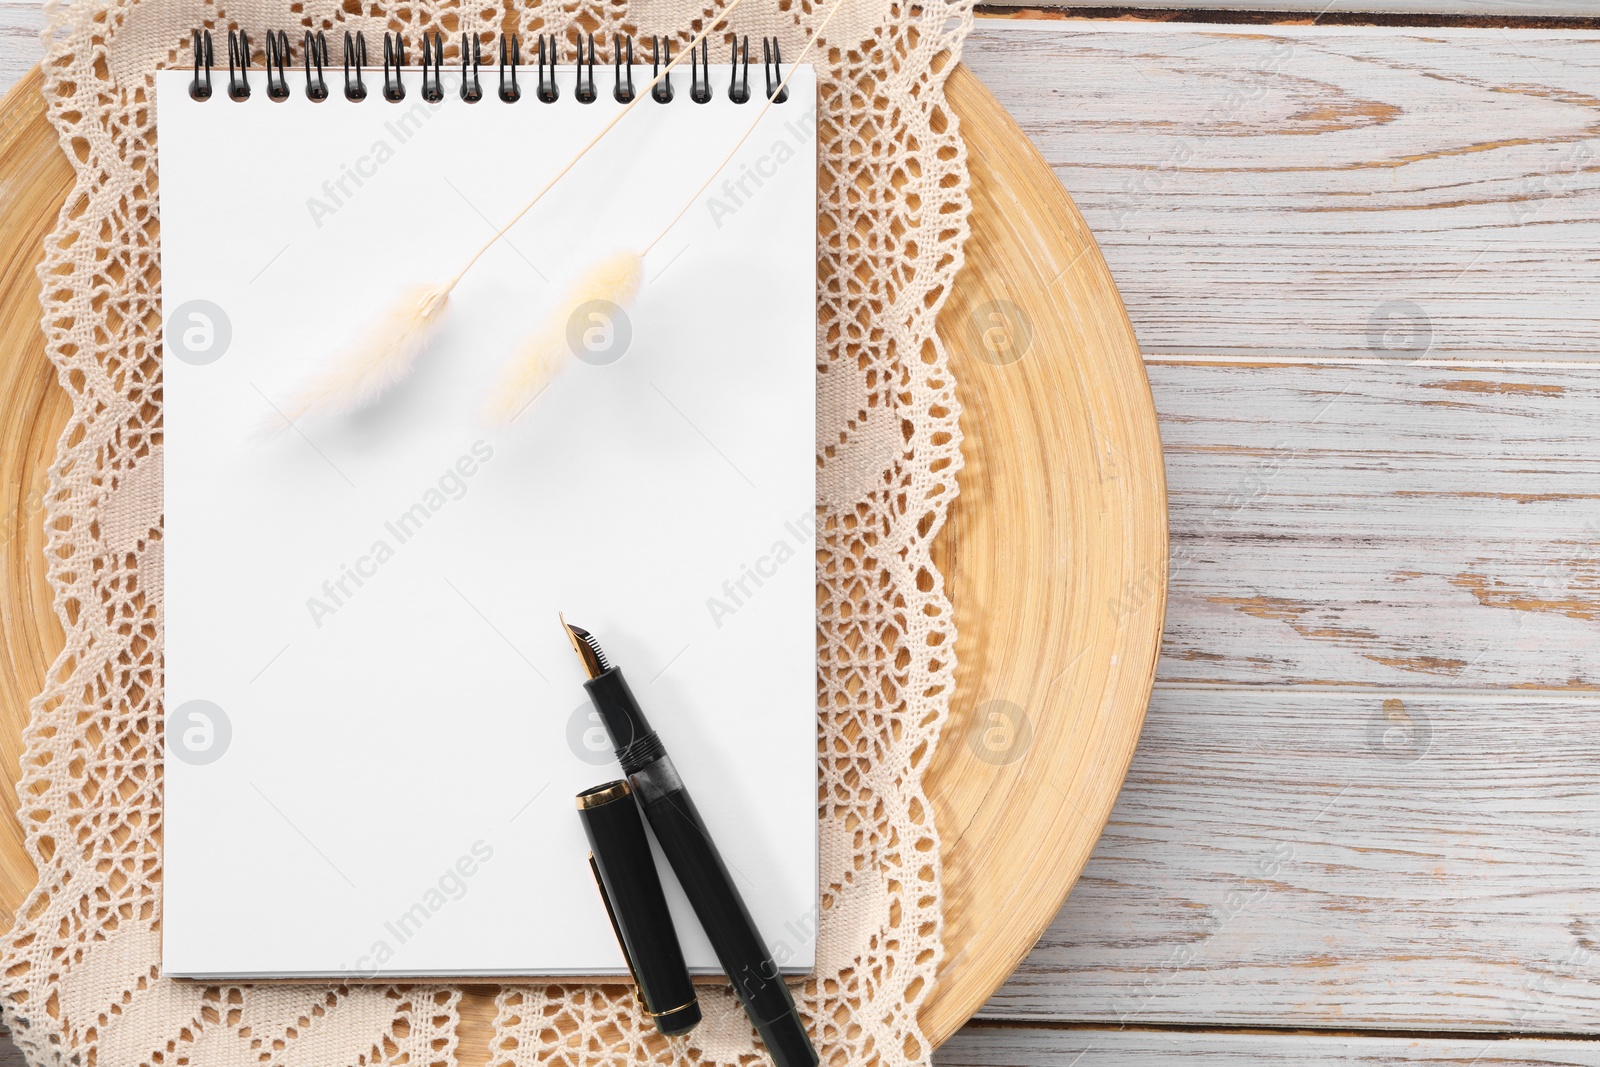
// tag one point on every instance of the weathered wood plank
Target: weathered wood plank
(1339, 859)
(1381, 525)
(1345, 189)
(1313, 8)
(20, 47)
(983, 1046)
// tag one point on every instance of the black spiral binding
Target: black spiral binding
(238, 77)
(433, 67)
(774, 72)
(622, 88)
(662, 93)
(355, 57)
(394, 51)
(277, 63)
(279, 58)
(585, 93)
(200, 88)
(509, 91)
(316, 52)
(547, 92)
(700, 74)
(739, 77)
(471, 88)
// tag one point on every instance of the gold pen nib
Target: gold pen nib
(587, 648)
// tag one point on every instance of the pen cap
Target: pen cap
(625, 871)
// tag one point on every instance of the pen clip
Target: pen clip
(616, 927)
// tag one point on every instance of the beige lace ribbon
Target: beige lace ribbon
(82, 964)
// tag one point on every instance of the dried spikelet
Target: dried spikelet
(613, 280)
(380, 360)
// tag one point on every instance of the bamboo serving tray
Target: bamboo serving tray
(1054, 554)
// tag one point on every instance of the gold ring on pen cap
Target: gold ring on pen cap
(603, 794)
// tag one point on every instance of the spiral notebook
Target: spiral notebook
(375, 728)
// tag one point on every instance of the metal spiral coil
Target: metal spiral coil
(238, 65)
(471, 88)
(546, 91)
(316, 52)
(739, 77)
(509, 92)
(277, 66)
(700, 74)
(279, 57)
(433, 67)
(662, 93)
(200, 88)
(777, 92)
(394, 52)
(622, 88)
(355, 57)
(585, 92)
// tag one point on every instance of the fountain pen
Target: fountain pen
(695, 860)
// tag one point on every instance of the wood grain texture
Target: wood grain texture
(33, 174)
(1048, 372)
(1382, 524)
(1291, 8)
(1350, 190)
(20, 48)
(1019, 802)
(1005, 1047)
(1394, 860)
(1350, 515)
(1310, 9)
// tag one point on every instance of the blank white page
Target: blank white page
(375, 726)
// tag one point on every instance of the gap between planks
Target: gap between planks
(1367, 690)
(1237, 358)
(982, 1046)
(1510, 14)
(1089, 1026)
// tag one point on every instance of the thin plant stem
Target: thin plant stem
(793, 67)
(618, 117)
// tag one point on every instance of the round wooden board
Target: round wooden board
(1054, 554)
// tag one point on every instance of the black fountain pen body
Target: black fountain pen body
(695, 860)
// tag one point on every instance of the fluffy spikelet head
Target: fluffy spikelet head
(547, 349)
(380, 360)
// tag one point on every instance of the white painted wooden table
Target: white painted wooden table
(1364, 820)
